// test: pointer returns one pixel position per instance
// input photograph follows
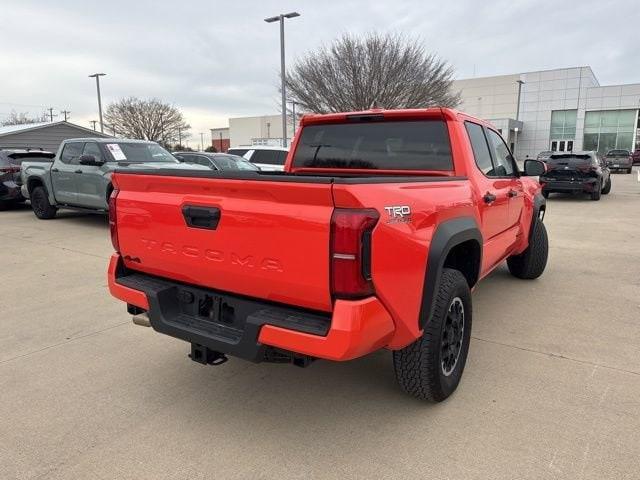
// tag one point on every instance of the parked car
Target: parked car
(635, 157)
(619, 160)
(373, 238)
(266, 157)
(80, 175)
(216, 161)
(544, 155)
(10, 182)
(576, 172)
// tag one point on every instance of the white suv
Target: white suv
(266, 157)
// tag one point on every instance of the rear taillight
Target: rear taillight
(10, 169)
(351, 252)
(113, 225)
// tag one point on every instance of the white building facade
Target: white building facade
(563, 109)
(260, 130)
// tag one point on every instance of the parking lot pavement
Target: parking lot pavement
(551, 389)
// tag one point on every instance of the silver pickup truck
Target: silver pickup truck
(80, 175)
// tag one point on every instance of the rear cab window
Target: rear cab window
(385, 145)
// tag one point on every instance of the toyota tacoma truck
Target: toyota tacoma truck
(372, 238)
(80, 176)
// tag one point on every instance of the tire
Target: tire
(595, 195)
(629, 170)
(607, 187)
(531, 263)
(421, 369)
(545, 194)
(40, 204)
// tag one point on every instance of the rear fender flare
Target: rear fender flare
(40, 182)
(447, 235)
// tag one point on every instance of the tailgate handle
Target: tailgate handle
(201, 217)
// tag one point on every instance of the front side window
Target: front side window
(139, 152)
(71, 152)
(480, 148)
(384, 145)
(502, 156)
(91, 148)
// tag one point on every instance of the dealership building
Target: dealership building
(563, 109)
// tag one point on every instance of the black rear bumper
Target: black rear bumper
(577, 185)
(222, 322)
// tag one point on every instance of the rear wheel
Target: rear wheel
(531, 263)
(545, 194)
(629, 170)
(431, 367)
(607, 186)
(595, 195)
(40, 204)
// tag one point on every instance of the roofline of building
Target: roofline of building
(534, 71)
(61, 122)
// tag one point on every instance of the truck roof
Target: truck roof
(404, 114)
(107, 140)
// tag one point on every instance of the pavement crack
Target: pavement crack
(557, 355)
(7, 360)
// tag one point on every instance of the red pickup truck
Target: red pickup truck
(372, 237)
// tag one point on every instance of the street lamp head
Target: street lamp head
(521, 82)
(97, 75)
(282, 15)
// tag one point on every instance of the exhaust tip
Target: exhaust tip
(141, 319)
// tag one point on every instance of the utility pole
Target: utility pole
(65, 113)
(220, 141)
(180, 137)
(161, 128)
(280, 18)
(50, 113)
(97, 77)
(201, 141)
(93, 122)
(293, 114)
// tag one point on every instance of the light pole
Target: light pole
(97, 77)
(93, 122)
(202, 140)
(515, 143)
(295, 119)
(520, 83)
(280, 18)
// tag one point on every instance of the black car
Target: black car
(216, 161)
(576, 172)
(10, 160)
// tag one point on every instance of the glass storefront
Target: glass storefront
(609, 129)
(563, 124)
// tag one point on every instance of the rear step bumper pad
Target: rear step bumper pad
(356, 327)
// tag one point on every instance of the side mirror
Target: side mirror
(534, 168)
(90, 160)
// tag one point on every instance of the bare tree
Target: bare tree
(23, 118)
(384, 71)
(146, 120)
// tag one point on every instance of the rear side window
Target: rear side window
(480, 148)
(238, 151)
(269, 157)
(408, 145)
(71, 152)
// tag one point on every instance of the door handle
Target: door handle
(489, 198)
(55, 170)
(201, 217)
(78, 171)
(512, 193)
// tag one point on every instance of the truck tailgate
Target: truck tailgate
(271, 240)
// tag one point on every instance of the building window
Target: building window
(609, 129)
(563, 124)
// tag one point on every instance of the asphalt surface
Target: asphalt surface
(551, 388)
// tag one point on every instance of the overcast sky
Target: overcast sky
(219, 59)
